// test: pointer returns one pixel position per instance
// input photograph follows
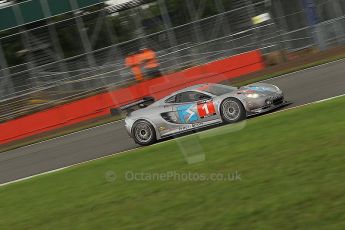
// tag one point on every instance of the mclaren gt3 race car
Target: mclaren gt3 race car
(197, 107)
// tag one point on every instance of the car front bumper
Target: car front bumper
(267, 108)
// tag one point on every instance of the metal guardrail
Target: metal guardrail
(196, 42)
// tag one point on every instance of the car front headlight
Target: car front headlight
(253, 95)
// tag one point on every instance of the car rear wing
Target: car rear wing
(143, 103)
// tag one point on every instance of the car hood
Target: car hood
(260, 88)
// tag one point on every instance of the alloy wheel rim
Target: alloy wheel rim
(231, 110)
(143, 132)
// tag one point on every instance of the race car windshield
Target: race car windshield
(219, 90)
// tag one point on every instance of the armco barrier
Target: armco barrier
(99, 105)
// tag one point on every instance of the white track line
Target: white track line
(66, 167)
(120, 153)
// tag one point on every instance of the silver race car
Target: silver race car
(197, 107)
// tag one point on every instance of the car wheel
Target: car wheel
(232, 110)
(144, 133)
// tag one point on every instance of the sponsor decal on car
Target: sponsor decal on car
(191, 126)
(194, 112)
(187, 113)
(261, 89)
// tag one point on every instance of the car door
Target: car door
(194, 107)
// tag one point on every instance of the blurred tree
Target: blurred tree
(122, 25)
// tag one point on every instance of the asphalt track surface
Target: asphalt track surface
(303, 87)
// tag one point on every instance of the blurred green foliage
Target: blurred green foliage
(123, 26)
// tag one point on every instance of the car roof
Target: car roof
(190, 88)
(193, 88)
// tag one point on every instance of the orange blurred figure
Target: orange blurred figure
(147, 59)
(132, 61)
(148, 56)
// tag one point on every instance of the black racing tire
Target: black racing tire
(232, 110)
(144, 133)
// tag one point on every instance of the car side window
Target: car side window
(171, 99)
(202, 97)
(191, 96)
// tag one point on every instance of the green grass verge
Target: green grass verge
(291, 166)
